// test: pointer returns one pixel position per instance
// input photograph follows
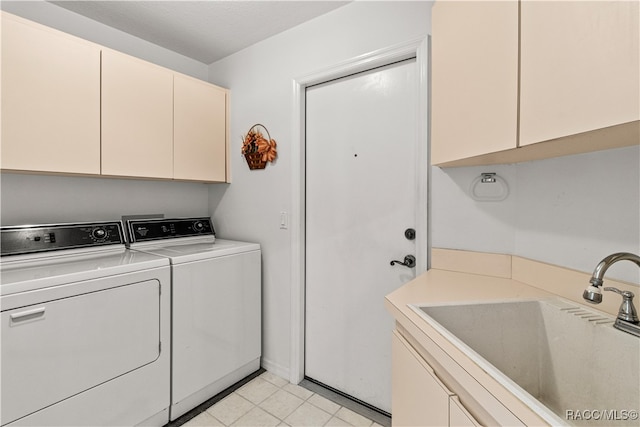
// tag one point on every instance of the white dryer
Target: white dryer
(215, 305)
(85, 328)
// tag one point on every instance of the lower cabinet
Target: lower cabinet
(419, 398)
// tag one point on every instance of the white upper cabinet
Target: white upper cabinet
(518, 81)
(73, 107)
(50, 100)
(474, 78)
(137, 117)
(580, 69)
(200, 131)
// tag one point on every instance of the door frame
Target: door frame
(418, 48)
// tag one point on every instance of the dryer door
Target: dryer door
(59, 348)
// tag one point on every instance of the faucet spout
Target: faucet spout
(603, 266)
(627, 319)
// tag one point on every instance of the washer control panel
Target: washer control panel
(15, 240)
(159, 229)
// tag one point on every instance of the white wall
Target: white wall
(46, 199)
(570, 211)
(38, 199)
(261, 82)
(576, 210)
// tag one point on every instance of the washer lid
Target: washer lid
(181, 253)
(20, 274)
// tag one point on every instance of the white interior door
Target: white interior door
(361, 191)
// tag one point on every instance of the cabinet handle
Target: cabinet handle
(27, 315)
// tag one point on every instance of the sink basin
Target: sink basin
(564, 360)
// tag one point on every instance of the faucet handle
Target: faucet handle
(625, 294)
(627, 310)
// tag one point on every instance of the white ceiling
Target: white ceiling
(203, 30)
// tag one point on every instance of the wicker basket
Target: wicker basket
(254, 160)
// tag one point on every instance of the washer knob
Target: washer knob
(198, 226)
(99, 233)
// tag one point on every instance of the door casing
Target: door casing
(418, 48)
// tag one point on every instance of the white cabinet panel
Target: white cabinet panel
(71, 106)
(474, 90)
(419, 398)
(458, 414)
(526, 80)
(199, 143)
(580, 67)
(50, 100)
(137, 117)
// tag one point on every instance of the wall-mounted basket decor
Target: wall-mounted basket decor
(257, 149)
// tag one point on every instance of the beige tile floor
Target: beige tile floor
(269, 400)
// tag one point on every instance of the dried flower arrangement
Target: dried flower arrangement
(257, 149)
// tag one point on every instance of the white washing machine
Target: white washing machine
(85, 332)
(215, 306)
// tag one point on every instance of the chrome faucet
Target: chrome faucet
(627, 319)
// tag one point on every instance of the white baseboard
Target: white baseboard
(275, 369)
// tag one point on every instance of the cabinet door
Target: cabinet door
(580, 68)
(137, 117)
(50, 100)
(418, 397)
(474, 78)
(458, 415)
(199, 130)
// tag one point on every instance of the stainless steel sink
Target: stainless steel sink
(565, 360)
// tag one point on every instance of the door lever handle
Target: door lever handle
(409, 261)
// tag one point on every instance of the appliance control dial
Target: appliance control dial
(99, 233)
(198, 226)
